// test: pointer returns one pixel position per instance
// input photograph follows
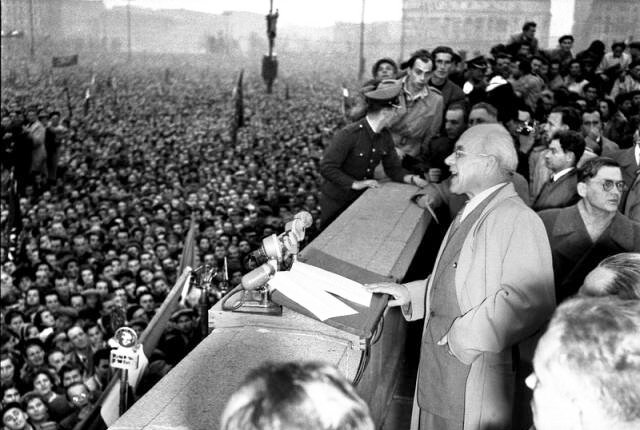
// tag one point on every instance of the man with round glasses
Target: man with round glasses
(583, 234)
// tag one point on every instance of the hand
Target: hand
(367, 183)
(434, 175)
(399, 292)
(421, 183)
(445, 342)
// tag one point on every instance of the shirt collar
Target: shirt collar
(410, 96)
(561, 173)
(479, 198)
(637, 154)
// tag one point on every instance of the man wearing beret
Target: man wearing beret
(349, 162)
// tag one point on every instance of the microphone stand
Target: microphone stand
(205, 283)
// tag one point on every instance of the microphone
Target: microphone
(257, 277)
(296, 228)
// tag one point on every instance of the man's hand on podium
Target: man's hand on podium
(399, 292)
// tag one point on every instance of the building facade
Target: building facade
(606, 20)
(470, 25)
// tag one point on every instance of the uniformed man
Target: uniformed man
(350, 160)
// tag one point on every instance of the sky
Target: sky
(323, 13)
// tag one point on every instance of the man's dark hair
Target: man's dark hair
(566, 37)
(442, 50)
(101, 354)
(11, 314)
(503, 55)
(68, 367)
(527, 25)
(421, 54)
(381, 61)
(592, 166)
(571, 141)
(570, 117)
(525, 66)
(541, 59)
(32, 341)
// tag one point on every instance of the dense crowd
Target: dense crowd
(105, 229)
(104, 169)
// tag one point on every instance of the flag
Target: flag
(13, 223)
(109, 401)
(69, 60)
(239, 102)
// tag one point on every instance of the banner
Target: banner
(69, 60)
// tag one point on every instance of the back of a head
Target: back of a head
(591, 353)
(617, 275)
(296, 396)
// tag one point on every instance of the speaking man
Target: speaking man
(491, 287)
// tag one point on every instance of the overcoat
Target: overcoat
(504, 287)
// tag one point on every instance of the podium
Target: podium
(375, 237)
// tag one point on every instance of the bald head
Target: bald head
(484, 156)
(495, 140)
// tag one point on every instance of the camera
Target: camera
(526, 128)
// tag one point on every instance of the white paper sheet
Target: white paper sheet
(333, 283)
(320, 303)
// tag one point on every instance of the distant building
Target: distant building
(381, 39)
(16, 15)
(606, 20)
(470, 25)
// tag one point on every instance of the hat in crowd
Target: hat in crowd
(138, 322)
(387, 90)
(90, 292)
(187, 312)
(478, 62)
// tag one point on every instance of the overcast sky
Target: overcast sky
(322, 13)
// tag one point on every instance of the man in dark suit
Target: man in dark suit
(583, 234)
(560, 191)
(629, 160)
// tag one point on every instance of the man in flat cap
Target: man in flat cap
(350, 160)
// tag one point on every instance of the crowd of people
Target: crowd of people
(105, 168)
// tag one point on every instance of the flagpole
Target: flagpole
(361, 65)
(32, 50)
(129, 30)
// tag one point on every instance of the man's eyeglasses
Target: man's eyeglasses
(607, 185)
(459, 153)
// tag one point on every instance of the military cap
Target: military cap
(478, 62)
(387, 90)
(188, 312)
